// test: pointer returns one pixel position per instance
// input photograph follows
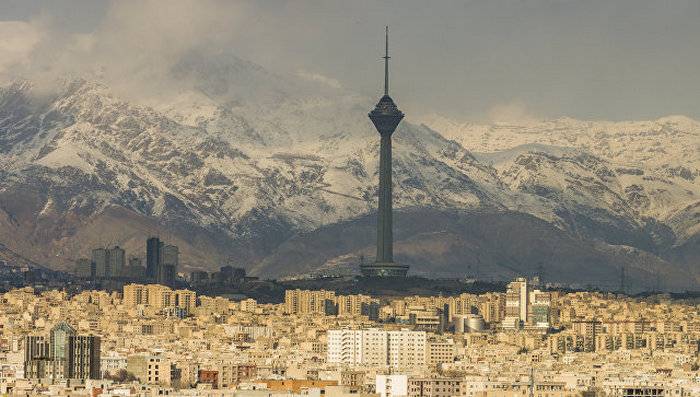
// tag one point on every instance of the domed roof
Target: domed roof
(386, 105)
(386, 115)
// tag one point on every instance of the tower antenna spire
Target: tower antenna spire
(386, 63)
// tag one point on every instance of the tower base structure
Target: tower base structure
(383, 269)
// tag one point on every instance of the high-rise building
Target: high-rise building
(228, 274)
(397, 349)
(100, 259)
(199, 277)
(492, 307)
(167, 267)
(83, 358)
(134, 295)
(84, 268)
(371, 310)
(36, 347)
(351, 305)
(117, 261)
(407, 348)
(108, 262)
(361, 347)
(161, 261)
(64, 355)
(517, 302)
(307, 302)
(185, 299)
(37, 362)
(135, 261)
(539, 311)
(153, 251)
(58, 339)
(386, 117)
(159, 297)
(135, 269)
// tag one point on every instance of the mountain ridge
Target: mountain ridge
(234, 175)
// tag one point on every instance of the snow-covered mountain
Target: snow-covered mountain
(278, 173)
(650, 167)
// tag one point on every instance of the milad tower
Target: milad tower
(386, 117)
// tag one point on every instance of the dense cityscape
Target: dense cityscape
(149, 339)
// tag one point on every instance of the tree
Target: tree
(121, 376)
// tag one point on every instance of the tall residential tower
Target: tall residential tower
(386, 117)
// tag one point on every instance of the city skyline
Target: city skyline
(493, 344)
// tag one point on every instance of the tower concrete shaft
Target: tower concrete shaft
(386, 117)
(385, 236)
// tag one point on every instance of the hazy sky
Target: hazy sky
(469, 60)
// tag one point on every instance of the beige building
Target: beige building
(510, 389)
(517, 297)
(158, 296)
(150, 369)
(434, 387)
(231, 373)
(439, 350)
(307, 302)
(351, 305)
(492, 306)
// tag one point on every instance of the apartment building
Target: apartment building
(397, 349)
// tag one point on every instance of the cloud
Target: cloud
(591, 59)
(133, 48)
(18, 41)
(317, 77)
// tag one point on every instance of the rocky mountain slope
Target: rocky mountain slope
(278, 174)
(648, 170)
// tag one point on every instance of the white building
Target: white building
(112, 362)
(391, 385)
(377, 347)
(344, 346)
(407, 348)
